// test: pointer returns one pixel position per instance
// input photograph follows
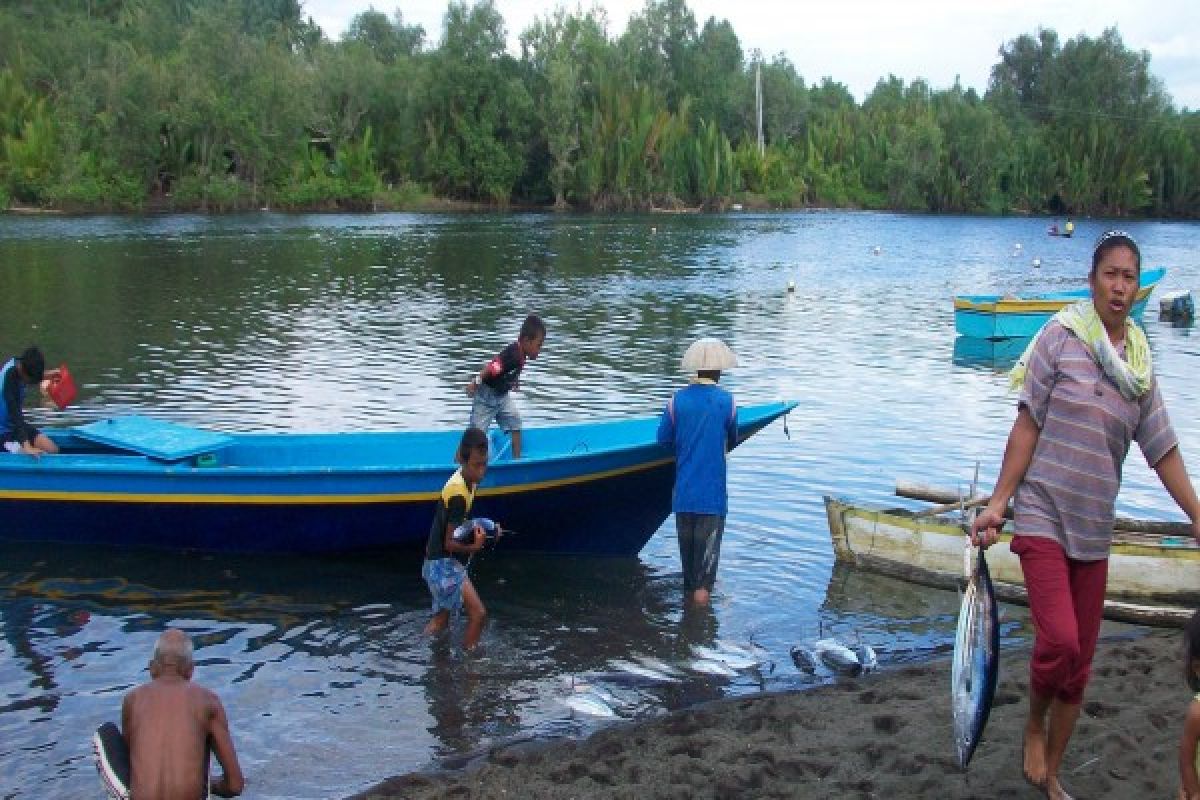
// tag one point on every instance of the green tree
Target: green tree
(477, 112)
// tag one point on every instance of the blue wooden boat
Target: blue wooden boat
(993, 316)
(598, 488)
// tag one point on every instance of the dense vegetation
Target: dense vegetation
(225, 104)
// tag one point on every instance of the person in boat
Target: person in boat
(1069, 227)
(1087, 389)
(700, 424)
(1053, 231)
(171, 725)
(492, 388)
(446, 558)
(16, 434)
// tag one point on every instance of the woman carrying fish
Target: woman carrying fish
(1087, 389)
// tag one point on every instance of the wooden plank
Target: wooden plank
(934, 494)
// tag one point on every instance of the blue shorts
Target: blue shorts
(490, 405)
(445, 578)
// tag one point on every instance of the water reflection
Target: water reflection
(998, 355)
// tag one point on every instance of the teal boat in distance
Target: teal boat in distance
(599, 488)
(993, 316)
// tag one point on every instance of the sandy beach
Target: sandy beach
(882, 735)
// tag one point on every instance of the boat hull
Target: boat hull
(1154, 581)
(997, 317)
(601, 489)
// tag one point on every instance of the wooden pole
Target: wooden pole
(949, 501)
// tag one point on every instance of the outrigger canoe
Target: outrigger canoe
(599, 488)
(993, 316)
(1153, 579)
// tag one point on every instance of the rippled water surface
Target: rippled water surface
(375, 322)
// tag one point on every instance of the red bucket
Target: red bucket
(62, 387)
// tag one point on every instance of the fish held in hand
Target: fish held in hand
(976, 661)
(465, 533)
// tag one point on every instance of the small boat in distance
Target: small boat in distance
(600, 488)
(993, 316)
(1153, 578)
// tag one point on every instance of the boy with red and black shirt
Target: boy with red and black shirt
(492, 386)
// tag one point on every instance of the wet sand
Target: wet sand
(882, 735)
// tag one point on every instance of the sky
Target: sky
(857, 42)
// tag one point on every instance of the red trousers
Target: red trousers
(1066, 599)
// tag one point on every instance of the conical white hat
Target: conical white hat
(708, 354)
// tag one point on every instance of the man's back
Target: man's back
(166, 723)
(701, 424)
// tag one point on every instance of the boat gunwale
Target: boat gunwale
(648, 455)
(944, 526)
(1047, 302)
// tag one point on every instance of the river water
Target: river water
(375, 322)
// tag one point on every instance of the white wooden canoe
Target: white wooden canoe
(1152, 579)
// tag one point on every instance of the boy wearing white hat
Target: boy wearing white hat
(700, 423)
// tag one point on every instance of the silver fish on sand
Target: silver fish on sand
(658, 665)
(976, 658)
(733, 660)
(591, 704)
(642, 671)
(804, 659)
(708, 666)
(837, 656)
(867, 658)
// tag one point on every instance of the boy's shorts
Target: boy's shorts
(491, 405)
(445, 578)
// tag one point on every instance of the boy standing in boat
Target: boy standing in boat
(492, 387)
(700, 423)
(445, 569)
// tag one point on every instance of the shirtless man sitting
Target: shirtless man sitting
(169, 723)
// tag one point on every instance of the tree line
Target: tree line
(235, 104)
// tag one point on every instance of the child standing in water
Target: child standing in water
(492, 387)
(1189, 744)
(445, 567)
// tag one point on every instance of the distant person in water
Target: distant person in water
(17, 435)
(171, 725)
(492, 388)
(700, 424)
(446, 558)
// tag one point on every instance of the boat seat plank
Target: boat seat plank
(158, 439)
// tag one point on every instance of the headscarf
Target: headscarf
(1133, 374)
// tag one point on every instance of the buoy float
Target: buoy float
(1037, 262)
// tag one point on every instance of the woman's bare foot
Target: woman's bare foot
(1055, 791)
(1035, 756)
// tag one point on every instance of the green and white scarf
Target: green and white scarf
(1133, 374)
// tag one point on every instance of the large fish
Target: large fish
(837, 656)
(976, 657)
